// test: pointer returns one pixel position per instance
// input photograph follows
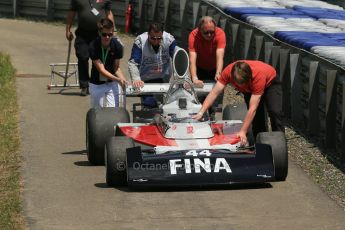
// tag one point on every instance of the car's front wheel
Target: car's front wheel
(115, 160)
(277, 141)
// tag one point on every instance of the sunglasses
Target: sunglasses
(155, 38)
(210, 32)
(107, 34)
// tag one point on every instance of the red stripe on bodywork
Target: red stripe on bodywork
(220, 138)
(150, 135)
(147, 135)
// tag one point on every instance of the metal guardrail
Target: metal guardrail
(313, 87)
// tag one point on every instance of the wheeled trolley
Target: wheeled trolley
(65, 71)
(58, 72)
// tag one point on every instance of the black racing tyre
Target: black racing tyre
(277, 141)
(238, 112)
(100, 123)
(115, 160)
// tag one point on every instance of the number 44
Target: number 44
(195, 153)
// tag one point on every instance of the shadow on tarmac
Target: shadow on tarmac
(78, 152)
(242, 186)
(84, 164)
(66, 93)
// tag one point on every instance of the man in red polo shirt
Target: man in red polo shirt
(260, 85)
(206, 46)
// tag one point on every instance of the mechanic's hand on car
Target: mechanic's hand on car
(243, 136)
(138, 83)
(198, 83)
(198, 116)
(216, 76)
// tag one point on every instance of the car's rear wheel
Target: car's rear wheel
(238, 112)
(277, 141)
(115, 160)
(100, 125)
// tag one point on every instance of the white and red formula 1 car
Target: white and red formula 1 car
(164, 146)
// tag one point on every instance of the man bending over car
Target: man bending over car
(260, 85)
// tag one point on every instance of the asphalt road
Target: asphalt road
(62, 191)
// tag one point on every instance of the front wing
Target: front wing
(199, 167)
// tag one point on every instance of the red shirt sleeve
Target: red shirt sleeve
(191, 40)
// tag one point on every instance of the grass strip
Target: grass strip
(10, 202)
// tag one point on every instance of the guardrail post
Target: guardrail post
(313, 99)
(141, 16)
(166, 9)
(224, 24)
(203, 10)
(235, 41)
(296, 90)
(196, 7)
(152, 17)
(49, 10)
(216, 18)
(284, 75)
(247, 41)
(138, 19)
(211, 12)
(182, 8)
(331, 107)
(275, 57)
(343, 125)
(15, 8)
(268, 51)
(259, 44)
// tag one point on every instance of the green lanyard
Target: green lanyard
(104, 56)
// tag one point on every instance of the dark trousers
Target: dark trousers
(208, 76)
(273, 100)
(81, 45)
(205, 75)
